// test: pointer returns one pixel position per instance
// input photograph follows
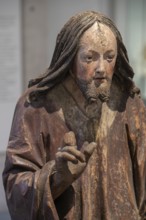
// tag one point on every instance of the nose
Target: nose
(100, 67)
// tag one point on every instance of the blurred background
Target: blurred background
(28, 30)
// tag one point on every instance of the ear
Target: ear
(72, 64)
(71, 72)
(72, 69)
(117, 64)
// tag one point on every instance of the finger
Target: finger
(69, 138)
(66, 157)
(72, 150)
(88, 149)
(84, 146)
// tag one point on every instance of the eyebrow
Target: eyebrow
(108, 51)
(81, 46)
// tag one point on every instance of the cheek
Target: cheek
(84, 71)
(110, 70)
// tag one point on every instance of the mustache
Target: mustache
(92, 80)
(99, 76)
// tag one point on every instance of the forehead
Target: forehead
(98, 33)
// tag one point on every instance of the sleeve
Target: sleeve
(29, 166)
(136, 116)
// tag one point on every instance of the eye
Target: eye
(89, 58)
(110, 58)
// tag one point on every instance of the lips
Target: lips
(99, 80)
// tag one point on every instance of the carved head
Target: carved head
(94, 63)
(68, 47)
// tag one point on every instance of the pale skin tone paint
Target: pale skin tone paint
(94, 61)
(97, 54)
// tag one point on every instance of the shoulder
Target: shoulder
(24, 109)
(121, 100)
(45, 104)
(135, 104)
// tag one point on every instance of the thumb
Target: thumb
(69, 138)
(88, 149)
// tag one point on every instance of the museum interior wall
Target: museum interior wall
(28, 31)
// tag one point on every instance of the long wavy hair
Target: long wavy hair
(67, 45)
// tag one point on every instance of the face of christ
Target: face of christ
(94, 63)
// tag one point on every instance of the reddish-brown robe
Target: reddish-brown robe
(113, 185)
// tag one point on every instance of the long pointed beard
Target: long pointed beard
(93, 92)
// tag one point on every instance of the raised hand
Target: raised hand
(70, 162)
